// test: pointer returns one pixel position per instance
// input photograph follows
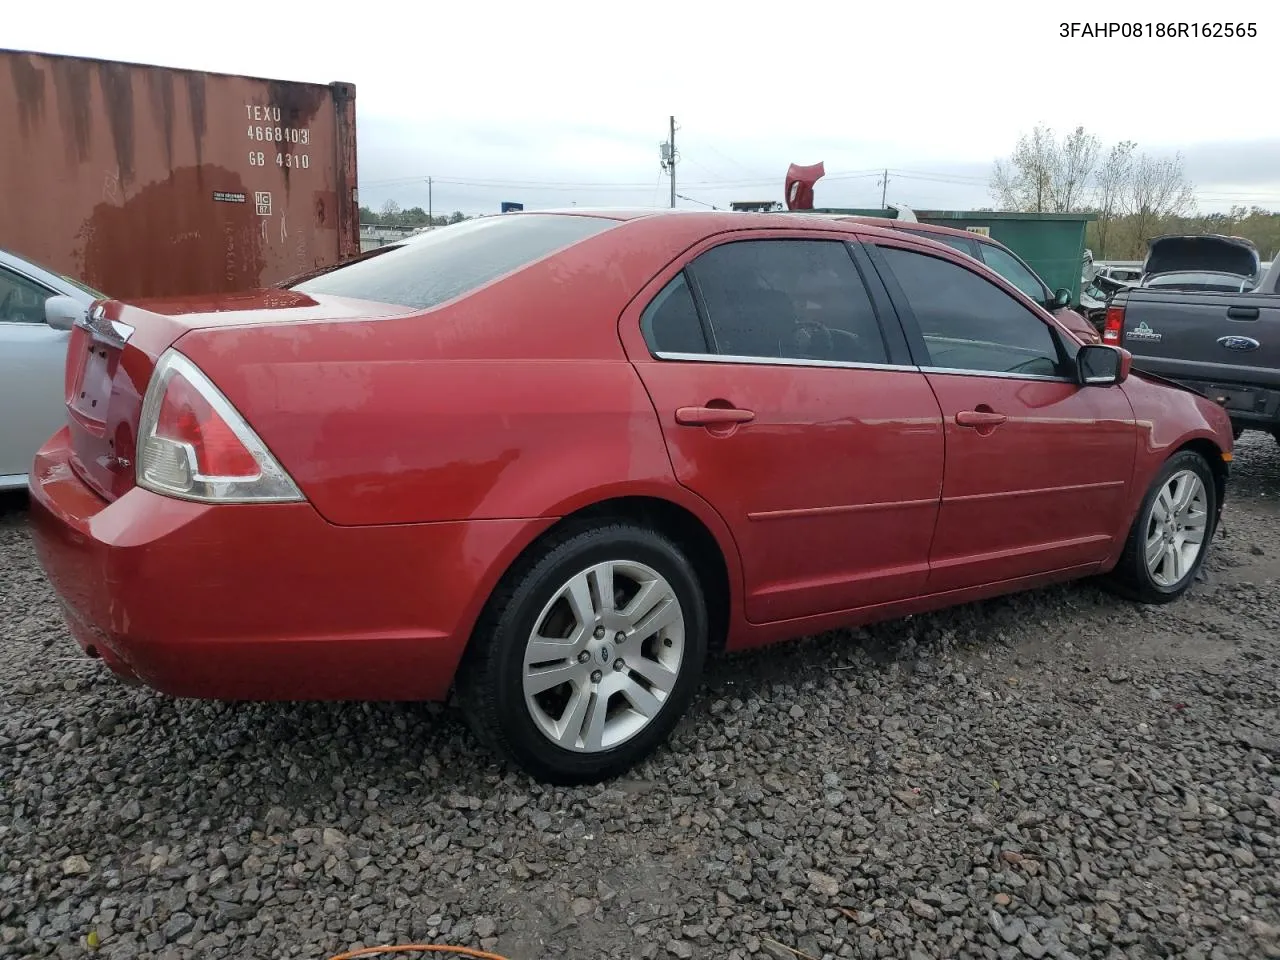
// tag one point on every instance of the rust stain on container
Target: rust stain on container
(147, 181)
(28, 86)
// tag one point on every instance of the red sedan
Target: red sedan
(550, 460)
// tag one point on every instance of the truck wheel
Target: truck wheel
(588, 654)
(1171, 534)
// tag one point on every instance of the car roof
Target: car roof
(718, 220)
(914, 226)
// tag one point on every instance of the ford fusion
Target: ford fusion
(546, 463)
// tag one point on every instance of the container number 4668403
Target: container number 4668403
(281, 134)
(294, 161)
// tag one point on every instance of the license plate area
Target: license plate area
(93, 386)
(1246, 401)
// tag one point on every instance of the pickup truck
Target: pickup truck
(1225, 346)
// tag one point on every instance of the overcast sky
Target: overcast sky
(566, 102)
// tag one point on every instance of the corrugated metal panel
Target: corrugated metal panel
(148, 181)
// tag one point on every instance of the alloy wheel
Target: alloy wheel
(1176, 527)
(604, 656)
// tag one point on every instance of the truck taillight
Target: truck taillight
(193, 444)
(1113, 325)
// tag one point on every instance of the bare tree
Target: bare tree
(391, 213)
(1157, 188)
(1022, 183)
(1111, 183)
(1044, 175)
(1071, 165)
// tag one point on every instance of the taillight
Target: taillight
(1113, 325)
(194, 445)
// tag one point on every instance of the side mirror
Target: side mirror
(61, 313)
(1061, 298)
(1099, 365)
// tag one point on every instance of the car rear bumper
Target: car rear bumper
(262, 602)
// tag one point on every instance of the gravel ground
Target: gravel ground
(1057, 774)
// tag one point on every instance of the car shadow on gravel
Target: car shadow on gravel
(13, 506)
(394, 752)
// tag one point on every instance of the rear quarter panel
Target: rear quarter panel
(517, 401)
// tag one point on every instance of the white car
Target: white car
(37, 311)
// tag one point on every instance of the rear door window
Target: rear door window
(789, 299)
(439, 265)
(671, 323)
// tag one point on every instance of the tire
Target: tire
(556, 734)
(1170, 574)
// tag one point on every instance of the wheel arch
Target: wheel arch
(1204, 444)
(689, 522)
(1214, 454)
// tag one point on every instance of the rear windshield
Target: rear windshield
(430, 268)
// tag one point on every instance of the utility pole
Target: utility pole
(671, 142)
(431, 220)
(884, 190)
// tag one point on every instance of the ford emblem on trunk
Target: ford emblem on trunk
(1239, 343)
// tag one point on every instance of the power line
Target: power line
(597, 185)
(700, 202)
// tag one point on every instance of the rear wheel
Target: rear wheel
(1169, 538)
(588, 654)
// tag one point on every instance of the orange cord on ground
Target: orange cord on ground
(418, 948)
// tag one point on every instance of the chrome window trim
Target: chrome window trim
(952, 371)
(782, 361)
(850, 365)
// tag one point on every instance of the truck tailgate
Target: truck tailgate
(1225, 345)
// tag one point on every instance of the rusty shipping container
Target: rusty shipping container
(146, 181)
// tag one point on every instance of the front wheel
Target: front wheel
(588, 654)
(1169, 538)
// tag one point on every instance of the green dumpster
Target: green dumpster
(1052, 244)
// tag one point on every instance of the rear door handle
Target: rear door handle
(1242, 313)
(979, 418)
(712, 416)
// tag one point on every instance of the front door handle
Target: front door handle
(980, 418)
(1242, 313)
(712, 416)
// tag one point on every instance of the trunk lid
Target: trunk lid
(1202, 254)
(113, 352)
